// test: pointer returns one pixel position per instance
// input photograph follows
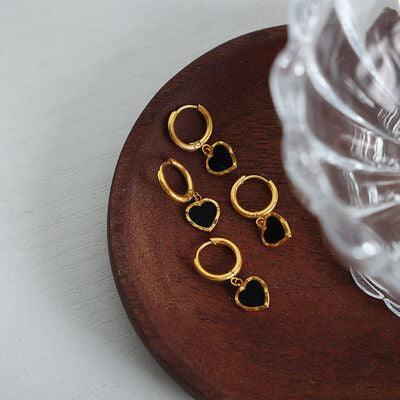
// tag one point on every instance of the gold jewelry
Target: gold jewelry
(220, 156)
(274, 228)
(203, 214)
(252, 293)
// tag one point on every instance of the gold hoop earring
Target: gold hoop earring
(274, 228)
(252, 293)
(220, 157)
(203, 213)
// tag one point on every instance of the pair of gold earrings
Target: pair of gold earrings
(204, 213)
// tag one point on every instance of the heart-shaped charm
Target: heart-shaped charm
(275, 230)
(203, 214)
(220, 159)
(253, 294)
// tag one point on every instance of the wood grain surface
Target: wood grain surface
(321, 338)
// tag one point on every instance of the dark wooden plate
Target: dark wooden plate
(321, 338)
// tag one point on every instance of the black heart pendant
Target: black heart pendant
(275, 231)
(203, 214)
(253, 294)
(221, 159)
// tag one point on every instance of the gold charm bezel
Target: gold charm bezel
(242, 287)
(199, 203)
(286, 227)
(211, 153)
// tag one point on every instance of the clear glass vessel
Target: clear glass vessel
(336, 88)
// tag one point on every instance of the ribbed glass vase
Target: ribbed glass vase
(336, 88)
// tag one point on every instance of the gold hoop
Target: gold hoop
(253, 214)
(193, 146)
(182, 198)
(219, 277)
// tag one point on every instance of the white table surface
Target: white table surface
(74, 76)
